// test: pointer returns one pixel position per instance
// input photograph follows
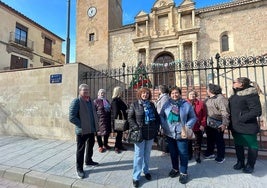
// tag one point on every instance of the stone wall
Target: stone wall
(32, 106)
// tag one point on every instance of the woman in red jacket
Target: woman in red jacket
(201, 113)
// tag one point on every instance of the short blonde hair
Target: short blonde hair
(117, 92)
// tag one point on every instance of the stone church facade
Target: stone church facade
(169, 33)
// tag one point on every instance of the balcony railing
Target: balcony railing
(18, 39)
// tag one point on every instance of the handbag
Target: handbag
(213, 123)
(134, 136)
(121, 124)
(187, 133)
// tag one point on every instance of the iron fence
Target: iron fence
(187, 75)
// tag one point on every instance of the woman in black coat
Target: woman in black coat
(143, 118)
(245, 108)
(118, 108)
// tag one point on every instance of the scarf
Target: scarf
(174, 115)
(149, 111)
(106, 104)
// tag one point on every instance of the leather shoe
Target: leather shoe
(101, 149)
(93, 163)
(117, 150)
(107, 147)
(148, 176)
(135, 183)
(173, 173)
(80, 174)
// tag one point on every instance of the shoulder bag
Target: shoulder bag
(187, 133)
(134, 136)
(121, 124)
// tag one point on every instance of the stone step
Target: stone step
(229, 144)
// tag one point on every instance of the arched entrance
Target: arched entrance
(164, 71)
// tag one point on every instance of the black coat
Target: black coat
(118, 109)
(136, 119)
(245, 107)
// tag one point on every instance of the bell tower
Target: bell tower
(94, 20)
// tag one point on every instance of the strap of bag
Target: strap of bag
(122, 115)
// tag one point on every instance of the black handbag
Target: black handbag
(134, 136)
(213, 123)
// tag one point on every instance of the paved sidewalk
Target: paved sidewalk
(51, 164)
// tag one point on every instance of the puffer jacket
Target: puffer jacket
(187, 115)
(104, 118)
(136, 119)
(245, 107)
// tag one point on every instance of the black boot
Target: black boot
(252, 157)
(239, 165)
(197, 154)
(239, 150)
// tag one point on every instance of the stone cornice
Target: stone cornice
(225, 5)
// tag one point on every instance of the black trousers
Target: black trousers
(100, 141)
(84, 141)
(118, 142)
(215, 137)
(197, 144)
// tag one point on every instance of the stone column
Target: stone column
(170, 15)
(147, 56)
(193, 18)
(194, 50)
(179, 21)
(147, 31)
(136, 29)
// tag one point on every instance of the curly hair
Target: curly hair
(142, 90)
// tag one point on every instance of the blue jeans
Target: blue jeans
(142, 152)
(178, 150)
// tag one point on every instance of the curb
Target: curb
(44, 180)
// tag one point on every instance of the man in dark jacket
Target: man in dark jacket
(82, 114)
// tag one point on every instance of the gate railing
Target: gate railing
(187, 75)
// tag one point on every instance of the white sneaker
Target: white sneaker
(212, 156)
(219, 160)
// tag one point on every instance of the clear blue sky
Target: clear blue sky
(52, 14)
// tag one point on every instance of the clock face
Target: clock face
(91, 12)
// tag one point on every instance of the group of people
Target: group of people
(94, 118)
(171, 113)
